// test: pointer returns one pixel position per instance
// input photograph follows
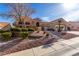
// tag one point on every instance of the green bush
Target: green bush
(15, 29)
(2, 31)
(30, 29)
(6, 36)
(23, 35)
(24, 29)
(34, 27)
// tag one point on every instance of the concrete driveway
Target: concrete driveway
(73, 32)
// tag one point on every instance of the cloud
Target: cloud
(72, 16)
(46, 19)
(69, 16)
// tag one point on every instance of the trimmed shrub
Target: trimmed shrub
(15, 32)
(15, 29)
(6, 36)
(23, 35)
(30, 29)
(24, 29)
(2, 31)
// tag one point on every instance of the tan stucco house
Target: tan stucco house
(26, 21)
(74, 26)
(5, 26)
(64, 25)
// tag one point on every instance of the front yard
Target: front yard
(26, 44)
(18, 39)
(21, 39)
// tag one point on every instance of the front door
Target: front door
(37, 24)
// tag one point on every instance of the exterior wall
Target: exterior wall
(55, 24)
(74, 26)
(52, 24)
(27, 19)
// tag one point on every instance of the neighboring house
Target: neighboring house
(60, 22)
(55, 24)
(5, 26)
(74, 25)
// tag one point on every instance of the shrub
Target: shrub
(23, 35)
(15, 29)
(30, 29)
(2, 31)
(24, 29)
(6, 35)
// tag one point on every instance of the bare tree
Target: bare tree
(17, 10)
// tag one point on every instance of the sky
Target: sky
(49, 11)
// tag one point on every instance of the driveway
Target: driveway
(73, 32)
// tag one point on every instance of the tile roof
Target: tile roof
(3, 24)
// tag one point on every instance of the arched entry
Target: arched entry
(68, 28)
(37, 24)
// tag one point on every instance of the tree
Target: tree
(17, 10)
(59, 23)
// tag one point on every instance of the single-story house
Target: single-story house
(74, 26)
(62, 23)
(5, 26)
(27, 21)
(55, 24)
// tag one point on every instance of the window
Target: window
(27, 23)
(20, 22)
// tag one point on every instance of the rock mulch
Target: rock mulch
(68, 36)
(20, 45)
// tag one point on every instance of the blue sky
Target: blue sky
(50, 11)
